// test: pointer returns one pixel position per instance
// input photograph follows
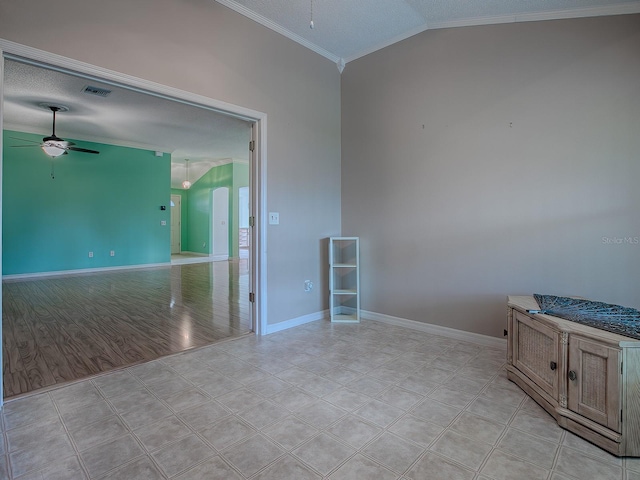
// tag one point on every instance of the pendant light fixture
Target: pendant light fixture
(186, 184)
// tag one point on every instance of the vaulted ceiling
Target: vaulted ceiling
(344, 30)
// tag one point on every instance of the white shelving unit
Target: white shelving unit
(344, 279)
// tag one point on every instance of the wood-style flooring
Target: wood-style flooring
(60, 329)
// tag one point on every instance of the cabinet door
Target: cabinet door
(536, 350)
(594, 381)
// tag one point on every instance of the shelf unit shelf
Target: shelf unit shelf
(344, 279)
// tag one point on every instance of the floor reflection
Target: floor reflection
(60, 329)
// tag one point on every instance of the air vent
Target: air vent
(101, 92)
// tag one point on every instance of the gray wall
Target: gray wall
(484, 161)
(203, 47)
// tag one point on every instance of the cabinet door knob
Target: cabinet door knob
(572, 375)
(553, 365)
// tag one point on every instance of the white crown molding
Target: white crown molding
(618, 9)
(391, 41)
(265, 22)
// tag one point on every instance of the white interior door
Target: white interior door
(220, 224)
(176, 224)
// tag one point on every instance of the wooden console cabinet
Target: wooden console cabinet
(587, 379)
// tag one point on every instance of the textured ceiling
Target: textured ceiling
(348, 29)
(125, 118)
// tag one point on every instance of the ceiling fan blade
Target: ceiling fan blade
(25, 140)
(21, 146)
(53, 142)
(84, 150)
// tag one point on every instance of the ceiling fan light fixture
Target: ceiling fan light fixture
(186, 184)
(53, 150)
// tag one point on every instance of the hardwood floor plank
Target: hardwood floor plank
(65, 328)
(14, 382)
(115, 342)
(10, 353)
(90, 353)
(35, 365)
(78, 363)
(58, 364)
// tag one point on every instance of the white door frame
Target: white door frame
(258, 160)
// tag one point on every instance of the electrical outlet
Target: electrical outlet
(90, 254)
(112, 253)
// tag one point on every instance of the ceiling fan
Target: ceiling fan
(53, 145)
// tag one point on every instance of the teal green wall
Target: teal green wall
(98, 203)
(200, 204)
(197, 206)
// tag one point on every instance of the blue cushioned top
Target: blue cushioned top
(612, 318)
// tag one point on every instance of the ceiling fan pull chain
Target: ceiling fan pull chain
(311, 22)
(53, 176)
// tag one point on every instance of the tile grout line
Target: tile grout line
(128, 428)
(84, 468)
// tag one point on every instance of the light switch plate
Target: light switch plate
(274, 218)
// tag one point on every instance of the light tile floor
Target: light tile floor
(367, 401)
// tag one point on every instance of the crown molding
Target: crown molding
(619, 9)
(265, 22)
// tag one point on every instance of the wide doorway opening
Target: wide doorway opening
(101, 293)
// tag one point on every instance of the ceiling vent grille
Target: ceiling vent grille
(100, 92)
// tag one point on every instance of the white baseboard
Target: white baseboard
(80, 271)
(296, 322)
(400, 322)
(202, 257)
(437, 330)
